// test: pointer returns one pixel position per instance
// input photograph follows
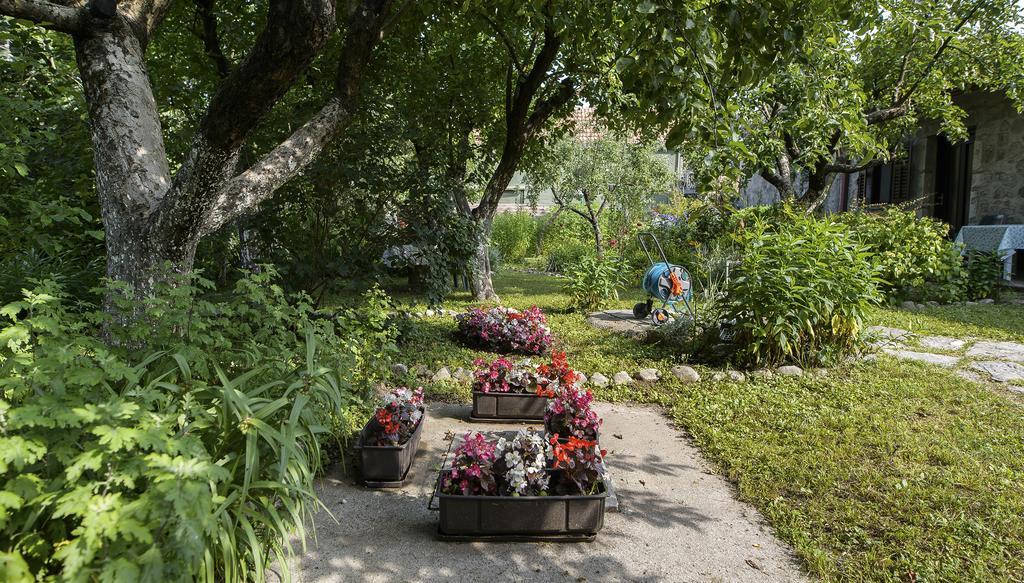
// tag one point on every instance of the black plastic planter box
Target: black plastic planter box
(386, 466)
(569, 518)
(528, 407)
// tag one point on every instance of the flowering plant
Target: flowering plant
(472, 471)
(502, 376)
(397, 417)
(554, 375)
(570, 413)
(505, 330)
(581, 462)
(521, 463)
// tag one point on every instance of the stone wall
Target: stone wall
(997, 183)
(997, 169)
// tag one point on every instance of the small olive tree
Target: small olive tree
(588, 178)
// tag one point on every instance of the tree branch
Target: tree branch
(144, 16)
(207, 32)
(46, 14)
(839, 167)
(242, 193)
(776, 180)
(509, 45)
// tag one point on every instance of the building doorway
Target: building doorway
(953, 181)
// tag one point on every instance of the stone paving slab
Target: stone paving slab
(997, 351)
(946, 343)
(928, 357)
(1001, 372)
(678, 521)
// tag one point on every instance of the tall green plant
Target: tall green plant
(191, 458)
(592, 283)
(800, 291)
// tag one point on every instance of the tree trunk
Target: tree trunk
(132, 173)
(595, 226)
(480, 281)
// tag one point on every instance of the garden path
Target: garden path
(678, 520)
(975, 359)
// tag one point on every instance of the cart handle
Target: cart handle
(650, 235)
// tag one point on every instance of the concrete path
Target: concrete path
(678, 521)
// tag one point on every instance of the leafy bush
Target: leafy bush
(563, 254)
(800, 291)
(505, 330)
(915, 258)
(984, 271)
(592, 283)
(188, 456)
(513, 234)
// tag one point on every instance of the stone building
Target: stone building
(980, 180)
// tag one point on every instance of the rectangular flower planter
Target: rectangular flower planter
(570, 518)
(526, 407)
(386, 466)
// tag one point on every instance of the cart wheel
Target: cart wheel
(659, 316)
(641, 310)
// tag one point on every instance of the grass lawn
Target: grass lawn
(879, 471)
(996, 321)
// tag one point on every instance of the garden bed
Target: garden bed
(387, 466)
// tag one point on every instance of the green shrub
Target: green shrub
(984, 271)
(563, 254)
(800, 291)
(915, 258)
(513, 235)
(185, 453)
(591, 283)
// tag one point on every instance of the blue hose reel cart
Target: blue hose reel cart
(664, 282)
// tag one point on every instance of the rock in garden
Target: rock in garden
(462, 374)
(920, 306)
(685, 374)
(648, 375)
(429, 313)
(399, 370)
(997, 350)
(598, 380)
(421, 371)
(622, 378)
(736, 376)
(932, 304)
(1001, 372)
(790, 371)
(581, 379)
(987, 301)
(909, 306)
(936, 359)
(442, 375)
(819, 372)
(760, 373)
